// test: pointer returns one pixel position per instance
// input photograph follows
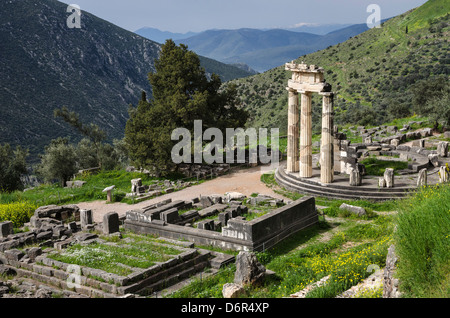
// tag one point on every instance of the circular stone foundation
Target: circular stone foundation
(404, 183)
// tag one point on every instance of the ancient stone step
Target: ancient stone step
(162, 279)
(339, 192)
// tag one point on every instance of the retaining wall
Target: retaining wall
(239, 234)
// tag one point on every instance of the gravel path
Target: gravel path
(245, 181)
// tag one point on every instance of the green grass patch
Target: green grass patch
(109, 257)
(47, 194)
(423, 243)
(377, 167)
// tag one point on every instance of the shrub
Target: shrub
(17, 212)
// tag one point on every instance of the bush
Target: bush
(422, 243)
(17, 212)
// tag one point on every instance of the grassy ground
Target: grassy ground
(342, 246)
(423, 243)
(95, 183)
(142, 252)
(377, 167)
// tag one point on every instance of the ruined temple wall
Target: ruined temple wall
(239, 234)
(271, 228)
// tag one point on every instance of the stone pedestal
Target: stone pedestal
(355, 177)
(108, 191)
(293, 133)
(306, 136)
(327, 147)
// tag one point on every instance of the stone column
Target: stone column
(327, 147)
(305, 135)
(293, 132)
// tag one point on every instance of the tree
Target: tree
(182, 93)
(430, 99)
(91, 131)
(58, 162)
(438, 108)
(12, 167)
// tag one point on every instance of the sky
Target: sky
(182, 16)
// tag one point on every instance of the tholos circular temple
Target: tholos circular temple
(336, 171)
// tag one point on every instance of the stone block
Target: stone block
(434, 159)
(72, 226)
(170, 216)
(86, 218)
(353, 209)
(235, 196)
(135, 183)
(232, 290)
(206, 225)
(6, 228)
(46, 235)
(224, 217)
(442, 148)
(395, 142)
(248, 270)
(389, 177)
(111, 223)
(14, 255)
(355, 177)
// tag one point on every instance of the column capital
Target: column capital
(304, 92)
(326, 93)
(291, 90)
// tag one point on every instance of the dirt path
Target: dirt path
(245, 181)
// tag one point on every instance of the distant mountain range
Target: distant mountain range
(159, 36)
(97, 71)
(259, 49)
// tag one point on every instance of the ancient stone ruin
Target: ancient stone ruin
(337, 171)
(305, 81)
(35, 256)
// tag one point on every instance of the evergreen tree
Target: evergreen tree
(182, 93)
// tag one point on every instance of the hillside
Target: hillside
(264, 49)
(371, 73)
(96, 71)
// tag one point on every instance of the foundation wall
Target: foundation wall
(239, 234)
